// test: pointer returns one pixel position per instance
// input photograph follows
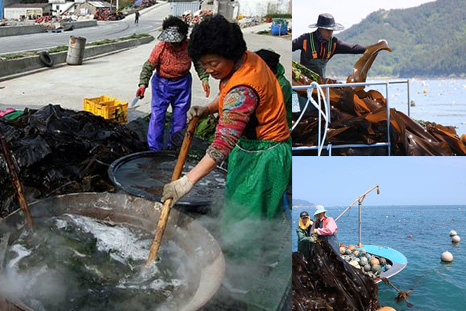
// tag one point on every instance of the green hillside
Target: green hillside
(428, 41)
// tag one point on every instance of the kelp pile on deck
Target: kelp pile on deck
(327, 282)
(360, 117)
(62, 151)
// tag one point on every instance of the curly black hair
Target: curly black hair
(216, 35)
(173, 21)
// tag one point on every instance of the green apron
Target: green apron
(316, 64)
(256, 237)
(258, 175)
(305, 245)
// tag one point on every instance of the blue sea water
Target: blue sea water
(434, 286)
(439, 101)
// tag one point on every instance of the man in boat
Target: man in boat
(305, 240)
(325, 228)
(318, 47)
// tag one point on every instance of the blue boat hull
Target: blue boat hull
(397, 259)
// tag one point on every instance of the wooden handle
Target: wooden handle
(15, 180)
(163, 219)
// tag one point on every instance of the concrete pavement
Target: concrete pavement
(115, 75)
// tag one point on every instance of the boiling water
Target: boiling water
(75, 262)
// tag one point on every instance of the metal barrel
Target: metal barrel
(76, 50)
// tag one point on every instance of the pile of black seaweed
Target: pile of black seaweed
(62, 151)
(327, 282)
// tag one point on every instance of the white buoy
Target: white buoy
(447, 256)
(453, 233)
(456, 239)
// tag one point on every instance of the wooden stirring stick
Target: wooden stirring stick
(162, 223)
(15, 180)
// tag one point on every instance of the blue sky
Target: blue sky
(338, 181)
(347, 13)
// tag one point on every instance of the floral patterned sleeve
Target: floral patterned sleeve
(238, 106)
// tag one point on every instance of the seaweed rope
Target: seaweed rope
(403, 295)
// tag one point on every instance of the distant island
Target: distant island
(427, 41)
(297, 203)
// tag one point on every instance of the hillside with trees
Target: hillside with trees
(427, 41)
(302, 203)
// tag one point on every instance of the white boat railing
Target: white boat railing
(325, 114)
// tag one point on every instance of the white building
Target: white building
(27, 10)
(61, 6)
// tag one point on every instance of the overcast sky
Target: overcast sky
(347, 13)
(338, 181)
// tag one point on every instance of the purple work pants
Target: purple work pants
(174, 92)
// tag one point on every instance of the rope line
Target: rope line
(317, 105)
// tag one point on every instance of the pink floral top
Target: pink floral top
(238, 106)
(170, 63)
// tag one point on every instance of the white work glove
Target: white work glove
(198, 111)
(177, 189)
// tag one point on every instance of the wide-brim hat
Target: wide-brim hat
(320, 210)
(326, 21)
(171, 35)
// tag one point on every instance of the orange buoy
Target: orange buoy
(375, 261)
(386, 309)
(411, 236)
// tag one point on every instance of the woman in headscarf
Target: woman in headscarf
(171, 83)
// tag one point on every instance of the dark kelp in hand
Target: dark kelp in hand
(360, 117)
(327, 282)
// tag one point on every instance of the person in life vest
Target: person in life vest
(252, 129)
(325, 228)
(318, 47)
(253, 132)
(303, 230)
